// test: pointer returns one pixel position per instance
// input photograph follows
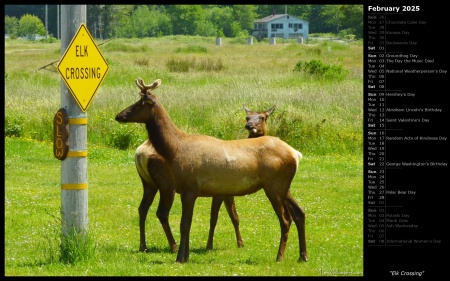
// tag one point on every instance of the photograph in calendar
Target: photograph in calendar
(127, 127)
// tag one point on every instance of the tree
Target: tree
(353, 19)
(185, 18)
(221, 18)
(11, 26)
(267, 10)
(312, 13)
(144, 21)
(298, 11)
(206, 28)
(30, 26)
(245, 15)
(333, 16)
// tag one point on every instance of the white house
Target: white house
(282, 26)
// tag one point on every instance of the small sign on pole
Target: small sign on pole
(61, 134)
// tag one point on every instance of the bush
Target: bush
(186, 64)
(13, 127)
(142, 62)
(180, 65)
(123, 137)
(49, 39)
(191, 49)
(320, 70)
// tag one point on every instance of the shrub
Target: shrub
(13, 126)
(192, 49)
(209, 64)
(186, 64)
(49, 39)
(320, 70)
(142, 62)
(123, 137)
(180, 65)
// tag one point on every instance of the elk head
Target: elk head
(256, 121)
(139, 112)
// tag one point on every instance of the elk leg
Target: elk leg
(284, 217)
(299, 218)
(165, 204)
(187, 202)
(215, 207)
(163, 180)
(231, 208)
(147, 200)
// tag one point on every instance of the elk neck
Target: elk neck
(163, 133)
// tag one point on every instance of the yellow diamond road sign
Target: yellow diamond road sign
(83, 67)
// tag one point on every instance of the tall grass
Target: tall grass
(322, 117)
(204, 88)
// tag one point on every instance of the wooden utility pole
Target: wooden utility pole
(74, 180)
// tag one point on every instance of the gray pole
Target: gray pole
(58, 36)
(46, 21)
(74, 182)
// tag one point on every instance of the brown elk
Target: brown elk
(154, 174)
(256, 126)
(204, 166)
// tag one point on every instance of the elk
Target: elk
(256, 126)
(154, 174)
(204, 166)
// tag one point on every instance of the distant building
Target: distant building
(281, 26)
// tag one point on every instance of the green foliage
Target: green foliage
(185, 18)
(202, 91)
(196, 64)
(328, 188)
(242, 39)
(320, 70)
(205, 28)
(142, 62)
(77, 247)
(132, 46)
(315, 50)
(11, 26)
(49, 39)
(245, 15)
(30, 25)
(124, 137)
(180, 65)
(220, 33)
(144, 22)
(191, 49)
(14, 126)
(141, 21)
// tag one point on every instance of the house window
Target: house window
(276, 26)
(298, 26)
(259, 26)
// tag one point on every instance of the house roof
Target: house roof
(272, 17)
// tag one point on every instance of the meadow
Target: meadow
(317, 88)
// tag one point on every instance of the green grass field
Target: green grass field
(318, 115)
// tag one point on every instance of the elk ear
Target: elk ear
(270, 110)
(148, 98)
(247, 110)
